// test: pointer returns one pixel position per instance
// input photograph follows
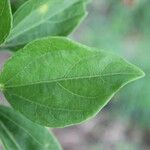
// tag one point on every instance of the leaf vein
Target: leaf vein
(65, 79)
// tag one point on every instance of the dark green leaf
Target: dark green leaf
(5, 19)
(15, 4)
(57, 82)
(36, 19)
(19, 133)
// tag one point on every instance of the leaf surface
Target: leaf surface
(16, 4)
(19, 133)
(5, 19)
(36, 19)
(57, 82)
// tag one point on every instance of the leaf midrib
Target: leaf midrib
(66, 79)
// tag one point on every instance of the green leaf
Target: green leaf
(36, 19)
(16, 4)
(5, 19)
(19, 133)
(57, 82)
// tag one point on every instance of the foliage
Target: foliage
(53, 81)
(5, 24)
(36, 19)
(17, 132)
(124, 30)
(55, 70)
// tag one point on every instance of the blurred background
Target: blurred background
(122, 27)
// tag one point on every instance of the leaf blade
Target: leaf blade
(70, 82)
(16, 4)
(5, 20)
(37, 19)
(18, 133)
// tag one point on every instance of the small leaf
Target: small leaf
(57, 82)
(36, 19)
(19, 133)
(5, 19)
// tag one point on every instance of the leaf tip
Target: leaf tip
(138, 73)
(142, 73)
